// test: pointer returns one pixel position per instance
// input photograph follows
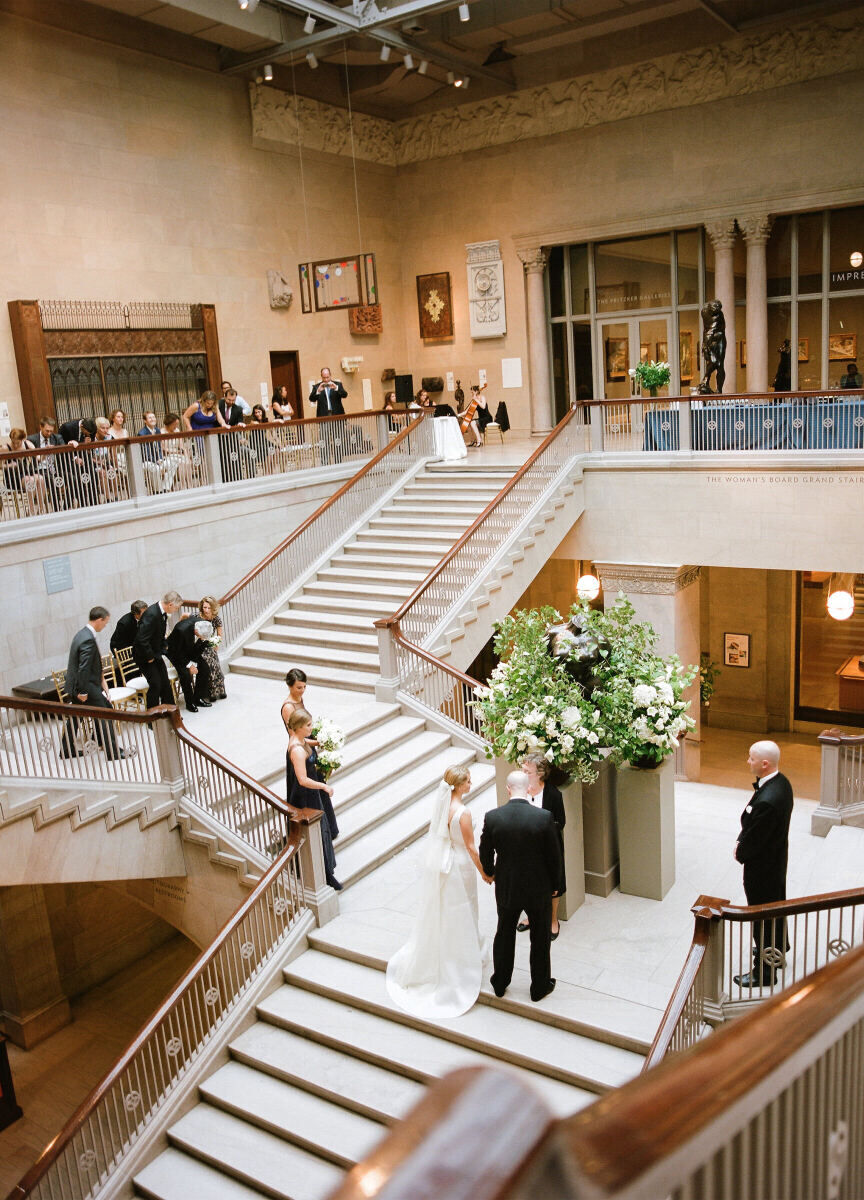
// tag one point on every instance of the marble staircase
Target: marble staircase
(326, 628)
(330, 1063)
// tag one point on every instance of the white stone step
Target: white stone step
(303, 654)
(567, 1056)
(360, 748)
(372, 803)
(177, 1176)
(423, 539)
(475, 498)
(456, 508)
(320, 1126)
(360, 556)
(355, 607)
(421, 1055)
(376, 846)
(357, 587)
(338, 1076)
(344, 624)
(254, 1156)
(336, 677)
(411, 575)
(593, 1013)
(420, 521)
(290, 628)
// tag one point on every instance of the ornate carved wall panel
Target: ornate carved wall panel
(486, 290)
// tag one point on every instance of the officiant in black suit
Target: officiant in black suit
(520, 849)
(149, 646)
(328, 395)
(763, 849)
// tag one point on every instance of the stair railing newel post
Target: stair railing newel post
(168, 755)
(715, 996)
(387, 684)
(212, 458)
(318, 895)
(135, 471)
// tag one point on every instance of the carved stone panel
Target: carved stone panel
(486, 304)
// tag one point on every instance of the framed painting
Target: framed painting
(685, 355)
(803, 349)
(662, 352)
(435, 305)
(645, 352)
(336, 283)
(617, 358)
(736, 649)
(842, 347)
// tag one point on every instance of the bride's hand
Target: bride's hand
(487, 878)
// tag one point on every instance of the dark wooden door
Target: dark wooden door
(285, 370)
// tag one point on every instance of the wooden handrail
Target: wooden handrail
(632, 1130)
(55, 1147)
(790, 908)
(709, 397)
(471, 1137)
(346, 487)
(389, 622)
(53, 708)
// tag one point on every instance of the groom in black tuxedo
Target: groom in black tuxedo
(520, 849)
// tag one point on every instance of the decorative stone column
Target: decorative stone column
(32, 1002)
(722, 234)
(534, 261)
(756, 230)
(667, 596)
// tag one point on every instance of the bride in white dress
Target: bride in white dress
(437, 973)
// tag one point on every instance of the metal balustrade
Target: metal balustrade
(79, 1161)
(436, 685)
(758, 422)
(59, 479)
(770, 947)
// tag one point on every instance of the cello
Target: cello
(471, 411)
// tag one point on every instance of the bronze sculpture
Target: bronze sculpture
(713, 347)
(578, 648)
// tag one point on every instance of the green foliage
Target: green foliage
(708, 672)
(653, 374)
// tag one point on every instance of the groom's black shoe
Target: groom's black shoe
(499, 992)
(550, 987)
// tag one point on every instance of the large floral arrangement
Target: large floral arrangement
(635, 711)
(330, 739)
(532, 704)
(652, 375)
(639, 693)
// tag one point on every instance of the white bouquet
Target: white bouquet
(330, 739)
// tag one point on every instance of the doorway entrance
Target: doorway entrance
(285, 372)
(623, 344)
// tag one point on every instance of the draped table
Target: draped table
(449, 442)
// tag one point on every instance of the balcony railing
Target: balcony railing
(92, 475)
(782, 421)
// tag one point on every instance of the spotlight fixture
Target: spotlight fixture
(248, 5)
(312, 60)
(309, 24)
(385, 53)
(423, 68)
(466, 79)
(451, 78)
(408, 61)
(458, 82)
(464, 14)
(268, 72)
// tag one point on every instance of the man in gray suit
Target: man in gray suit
(86, 684)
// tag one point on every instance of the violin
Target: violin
(471, 411)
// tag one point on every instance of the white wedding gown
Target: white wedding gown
(437, 973)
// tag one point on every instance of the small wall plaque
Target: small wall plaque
(58, 574)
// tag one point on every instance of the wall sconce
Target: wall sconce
(841, 597)
(588, 587)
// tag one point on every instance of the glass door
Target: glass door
(623, 344)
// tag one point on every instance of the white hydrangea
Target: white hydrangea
(571, 717)
(644, 694)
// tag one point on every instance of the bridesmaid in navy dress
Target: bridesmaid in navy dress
(305, 789)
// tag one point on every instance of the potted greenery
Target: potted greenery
(651, 376)
(708, 672)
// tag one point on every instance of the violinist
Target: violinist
(476, 415)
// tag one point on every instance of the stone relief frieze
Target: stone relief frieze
(278, 120)
(739, 66)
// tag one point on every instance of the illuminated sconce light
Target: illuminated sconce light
(385, 54)
(464, 14)
(841, 605)
(408, 61)
(268, 72)
(458, 82)
(312, 60)
(423, 68)
(856, 258)
(309, 24)
(248, 5)
(588, 587)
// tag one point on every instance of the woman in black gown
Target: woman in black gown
(305, 789)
